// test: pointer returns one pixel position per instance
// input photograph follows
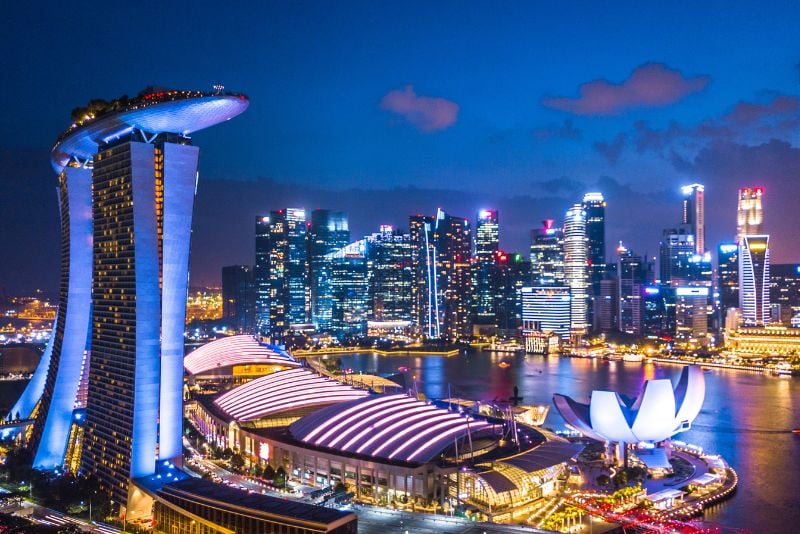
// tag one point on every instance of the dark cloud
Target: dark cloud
(565, 130)
(774, 165)
(747, 122)
(611, 150)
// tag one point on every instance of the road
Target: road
(373, 520)
(45, 516)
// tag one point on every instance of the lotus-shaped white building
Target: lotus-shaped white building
(659, 412)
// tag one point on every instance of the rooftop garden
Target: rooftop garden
(149, 96)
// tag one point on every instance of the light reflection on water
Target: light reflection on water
(746, 417)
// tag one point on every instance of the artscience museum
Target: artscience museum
(660, 411)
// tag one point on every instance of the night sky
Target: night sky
(386, 109)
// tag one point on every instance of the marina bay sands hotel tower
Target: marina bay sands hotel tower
(107, 396)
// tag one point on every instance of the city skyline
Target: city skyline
(381, 297)
(342, 118)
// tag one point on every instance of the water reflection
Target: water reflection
(746, 417)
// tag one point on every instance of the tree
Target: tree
(269, 472)
(603, 480)
(18, 466)
(280, 477)
(237, 461)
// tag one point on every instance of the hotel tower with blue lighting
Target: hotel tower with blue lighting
(127, 180)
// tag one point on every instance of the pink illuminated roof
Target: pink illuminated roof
(235, 350)
(391, 427)
(282, 392)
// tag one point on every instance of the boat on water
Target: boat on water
(632, 357)
(613, 356)
(504, 365)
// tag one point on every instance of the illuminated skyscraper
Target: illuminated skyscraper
(452, 238)
(677, 249)
(514, 273)
(632, 272)
(595, 207)
(328, 233)
(390, 275)
(238, 298)
(749, 215)
(349, 289)
(547, 309)
(289, 299)
(547, 254)
(127, 178)
(486, 279)
(424, 305)
(728, 276)
(693, 214)
(754, 284)
(576, 273)
(261, 274)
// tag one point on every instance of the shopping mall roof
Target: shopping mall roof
(235, 350)
(284, 391)
(232, 499)
(497, 481)
(392, 427)
(546, 455)
(163, 111)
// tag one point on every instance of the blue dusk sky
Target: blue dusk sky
(384, 109)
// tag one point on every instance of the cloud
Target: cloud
(427, 113)
(564, 130)
(611, 150)
(649, 85)
(746, 113)
(747, 122)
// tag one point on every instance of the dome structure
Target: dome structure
(227, 352)
(659, 412)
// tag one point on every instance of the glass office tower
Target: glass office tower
(328, 233)
(289, 290)
(486, 274)
(261, 274)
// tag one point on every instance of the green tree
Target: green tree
(280, 477)
(237, 461)
(269, 472)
